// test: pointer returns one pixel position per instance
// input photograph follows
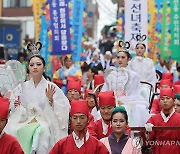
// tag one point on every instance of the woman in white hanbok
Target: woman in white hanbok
(126, 85)
(143, 66)
(41, 111)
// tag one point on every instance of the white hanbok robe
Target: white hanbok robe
(145, 68)
(35, 105)
(126, 85)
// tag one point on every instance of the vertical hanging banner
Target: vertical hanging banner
(37, 11)
(152, 34)
(175, 34)
(135, 20)
(77, 27)
(120, 26)
(45, 38)
(165, 50)
(60, 27)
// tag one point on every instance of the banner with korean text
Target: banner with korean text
(165, 34)
(175, 30)
(60, 27)
(136, 14)
(45, 38)
(77, 28)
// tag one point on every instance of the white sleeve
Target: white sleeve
(58, 115)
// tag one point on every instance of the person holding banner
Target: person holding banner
(69, 71)
(41, 110)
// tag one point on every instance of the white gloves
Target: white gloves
(64, 82)
(149, 127)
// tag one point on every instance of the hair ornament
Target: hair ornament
(34, 49)
(141, 38)
(119, 109)
(124, 45)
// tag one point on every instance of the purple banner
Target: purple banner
(60, 27)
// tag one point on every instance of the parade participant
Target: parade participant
(167, 117)
(41, 113)
(160, 66)
(156, 107)
(177, 98)
(90, 78)
(69, 71)
(80, 141)
(96, 63)
(108, 60)
(118, 141)
(98, 79)
(106, 105)
(74, 93)
(91, 99)
(73, 90)
(90, 96)
(8, 143)
(176, 74)
(144, 67)
(126, 86)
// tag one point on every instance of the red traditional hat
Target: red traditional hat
(168, 75)
(167, 92)
(87, 91)
(166, 82)
(176, 89)
(4, 108)
(74, 85)
(177, 82)
(79, 106)
(107, 98)
(98, 79)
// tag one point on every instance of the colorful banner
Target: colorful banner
(77, 28)
(120, 26)
(135, 20)
(175, 34)
(44, 37)
(37, 11)
(158, 25)
(152, 38)
(165, 50)
(60, 27)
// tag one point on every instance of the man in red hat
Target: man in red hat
(73, 90)
(165, 140)
(8, 143)
(177, 98)
(80, 141)
(156, 107)
(106, 105)
(74, 93)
